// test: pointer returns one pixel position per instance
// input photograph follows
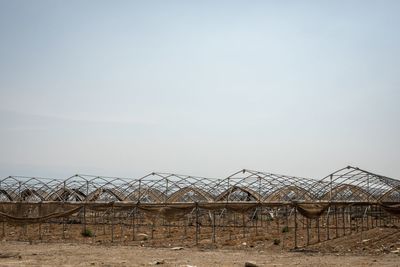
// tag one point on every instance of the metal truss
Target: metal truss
(349, 184)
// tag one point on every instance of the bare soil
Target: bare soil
(58, 254)
(376, 247)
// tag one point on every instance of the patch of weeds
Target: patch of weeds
(87, 233)
(285, 229)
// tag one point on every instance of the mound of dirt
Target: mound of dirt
(373, 242)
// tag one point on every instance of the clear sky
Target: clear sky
(123, 88)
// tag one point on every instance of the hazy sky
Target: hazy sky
(123, 88)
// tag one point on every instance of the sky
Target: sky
(206, 88)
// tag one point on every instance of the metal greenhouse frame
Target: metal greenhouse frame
(163, 208)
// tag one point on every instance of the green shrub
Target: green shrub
(87, 233)
(285, 229)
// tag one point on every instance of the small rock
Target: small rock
(250, 264)
(177, 248)
(158, 262)
(143, 236)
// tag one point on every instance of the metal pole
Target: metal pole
(213, 227)
(243, 225)
(327, 224)
(343, 221)
(197, 223)
(40, 223)
(133, 224)
(112, 223)
(63, 201)
(295, 227)
(336, 221)
(308, 231)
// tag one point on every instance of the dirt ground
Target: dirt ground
(59, 254)
(375, 247)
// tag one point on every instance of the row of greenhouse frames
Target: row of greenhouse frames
(173, 208)
(349, 184)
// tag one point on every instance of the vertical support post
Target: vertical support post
(169, 228)
(84, 217)
(40, 223)
(362, 225)
(95, 226)
(336, 221)
(277, 221)
(152, 227)
(308, 231)
(84, 206)
(213, 226)
(4, 229)
(112, 223)
(63, 219)
(166, 190)
(197, 223)
(327, 224)
(243, 225)
(256, 219)
(343, 221)
(122, 226)
(295, 227)
(350, 211)
(63, 228)
(133, 224)
(185, 222)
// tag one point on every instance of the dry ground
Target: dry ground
(376, 247)
(59, 254)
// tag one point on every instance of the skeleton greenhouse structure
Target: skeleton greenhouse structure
(162, 208)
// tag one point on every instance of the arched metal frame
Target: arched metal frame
(349, 184)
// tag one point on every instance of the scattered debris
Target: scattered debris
(9, 255)
(304, 250)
